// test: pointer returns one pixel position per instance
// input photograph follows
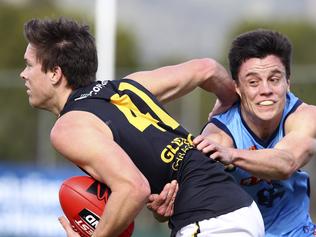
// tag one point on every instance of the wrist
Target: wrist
(232, 156)
(160, 218)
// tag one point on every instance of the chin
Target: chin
(269, 116)
(33, 104)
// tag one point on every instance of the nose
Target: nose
(265, 88)
(22, 75)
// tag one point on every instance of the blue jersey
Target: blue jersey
(284, 204)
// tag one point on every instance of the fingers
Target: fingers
(200, 142)
(64, 222)
(170, 207)
(155, 200)
(204, 145)
(167, 206)
(162, 204)
(172, 192)
(67, 227)
(215, 156)
(198, 139)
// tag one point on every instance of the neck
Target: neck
(61, 99)
(263, 129)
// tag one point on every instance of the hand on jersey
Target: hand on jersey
(162, 204)
(214, 150)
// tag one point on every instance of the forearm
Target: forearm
(171, 82)
(121, 209)
(266, 164)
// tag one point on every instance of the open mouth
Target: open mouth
(266, 102)
(28, 91)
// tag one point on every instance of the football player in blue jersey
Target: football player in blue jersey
(266, 137)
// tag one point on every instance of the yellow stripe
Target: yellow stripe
(165, 118)
(197, 231)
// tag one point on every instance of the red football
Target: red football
(83, 199)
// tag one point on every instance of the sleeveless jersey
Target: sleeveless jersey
(284, 204)
(161, 149)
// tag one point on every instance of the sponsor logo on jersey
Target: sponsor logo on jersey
(250, 181)
(95, 90)
(176, 150)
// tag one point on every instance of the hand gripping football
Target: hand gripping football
(83, 199)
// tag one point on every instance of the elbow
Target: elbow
(202, 69)
(145, 192)
(216, 79)
(208, 64)
(288, 169)
(141, 191)
(206, 68)
(284, 174)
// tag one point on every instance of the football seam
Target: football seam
(84, 197)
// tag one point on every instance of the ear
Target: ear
(237, 88)
(56, 75)
(288, 84)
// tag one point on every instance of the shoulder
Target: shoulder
(307, 108)
(304, 112)
(303, 118)
(217, 134)
(75, 126)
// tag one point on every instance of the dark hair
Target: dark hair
(67, 44)
(259, 44)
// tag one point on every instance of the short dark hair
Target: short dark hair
(259, 44)
(67, 44)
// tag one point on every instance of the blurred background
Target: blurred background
(147, 34)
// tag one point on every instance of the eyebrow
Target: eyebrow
(27, 62)
(251, 74)
(275, 71)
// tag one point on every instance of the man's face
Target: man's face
(262, 87)
(38, 85)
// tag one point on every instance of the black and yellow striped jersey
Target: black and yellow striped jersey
(161, 149)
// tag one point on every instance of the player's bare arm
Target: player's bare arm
(267, 163)
(300, 138)
(293, 151)
(170, 82)
(105, 161)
